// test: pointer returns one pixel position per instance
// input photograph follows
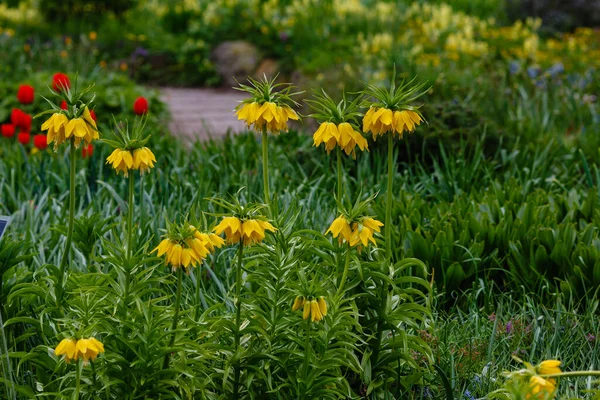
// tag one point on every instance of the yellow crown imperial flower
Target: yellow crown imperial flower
(315, 309)
(60, 128)
(394, 111)
(178, 256)
(232, 227)
(254, 230)
(362, 233)
(340, 228)
(382, 120)
(540, 388)
(549, 367)
(210, 240)
(349, 139)
(143, 159)
(68, 348)
(337, 128)
(322, 306)
(88, 349)
(267, 115)
(306, 310)
(121, 160)
(55, 125)
(250, 231)
(268, 108)
(327, 133)
(298, 303)
(124, 160)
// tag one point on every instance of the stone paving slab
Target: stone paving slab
(199, 114)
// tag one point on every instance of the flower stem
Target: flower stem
(307, 347)
(176, 316)
(77, 381)
(265, 165)
(238, 316)
(130, 207)
(388, 202)
(65, 257)
(572, 373)
(345, 273)
(141, 221)
(339, 174)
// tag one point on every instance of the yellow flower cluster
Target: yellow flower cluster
(86, 349)
(360, 233)
(249, 231)
(315, 309)
(543, 388)
(60, 128)
(342, 135)
(190, 252)
(267, 115)
(125, 160)
(383, 120)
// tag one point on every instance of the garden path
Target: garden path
(199, 114)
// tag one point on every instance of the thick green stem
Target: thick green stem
(238, 317)
(572, 373)
(142, 208)
(345, 273)
(307, 347)
(77, 381)
(265, 165)
(388, 202)
(130, 207)
(388, 250)
(339, 174)
(72, 171)
(176, 316)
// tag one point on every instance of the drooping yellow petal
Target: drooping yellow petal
(372, 224)
(291, 114)
(322, 306)
(306, 311)
(549, 367)
(387, 116)
(315, 312)
(163, 247)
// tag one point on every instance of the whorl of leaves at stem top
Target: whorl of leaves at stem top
(327, 110)
(266, 90)
(397, 98)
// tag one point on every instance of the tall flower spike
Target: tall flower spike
(340, 228)
(269, 107)
(130, 151)
(185, 246)
(74, 120)
(338, 123)
(394, 111)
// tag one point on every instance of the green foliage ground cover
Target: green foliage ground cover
(471, 218)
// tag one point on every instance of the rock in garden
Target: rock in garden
(235, 60)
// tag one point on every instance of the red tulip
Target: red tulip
(40, 141)
(60, 82)
(24, 122)
(87, 151)
(8, 130)
(24, 138)
(140, 106)
(63, 105)
(25, 94)
(15, 116)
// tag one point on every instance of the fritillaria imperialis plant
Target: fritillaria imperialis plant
(268, 110)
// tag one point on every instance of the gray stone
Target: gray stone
(235, 60)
